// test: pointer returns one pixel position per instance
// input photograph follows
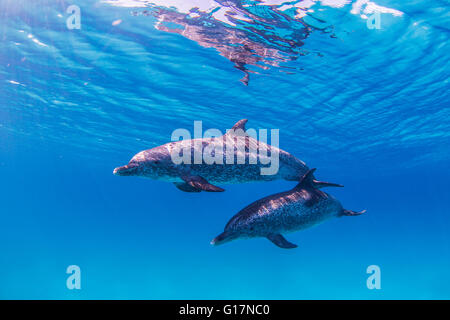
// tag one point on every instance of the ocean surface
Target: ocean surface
(358, 90)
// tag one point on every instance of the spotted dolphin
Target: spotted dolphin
(192, 176)
(302, 207)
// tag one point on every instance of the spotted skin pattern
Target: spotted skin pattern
(157, 163)
(302, 207)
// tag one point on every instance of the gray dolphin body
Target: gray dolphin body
(290, 211)
(157, 163)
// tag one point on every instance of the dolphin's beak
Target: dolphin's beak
(221, 239)
(128, 170)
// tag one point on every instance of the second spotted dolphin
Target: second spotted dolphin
(158, 163)
(293, 210)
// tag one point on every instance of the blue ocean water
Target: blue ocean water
(358, 89)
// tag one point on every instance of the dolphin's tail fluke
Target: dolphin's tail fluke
(320, 184)
(308, 179)
(221, 238)
(351, 213)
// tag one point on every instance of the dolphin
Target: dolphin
(302, 207)
(192, 176)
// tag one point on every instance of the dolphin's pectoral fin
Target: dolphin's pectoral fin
(280, 241)
(201, 184)
(183, 186)
(350, 213)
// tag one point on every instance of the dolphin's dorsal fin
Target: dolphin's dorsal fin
(307, 180)
(240, 125)
(238, 129)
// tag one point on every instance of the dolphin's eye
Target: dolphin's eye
(156, 162)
